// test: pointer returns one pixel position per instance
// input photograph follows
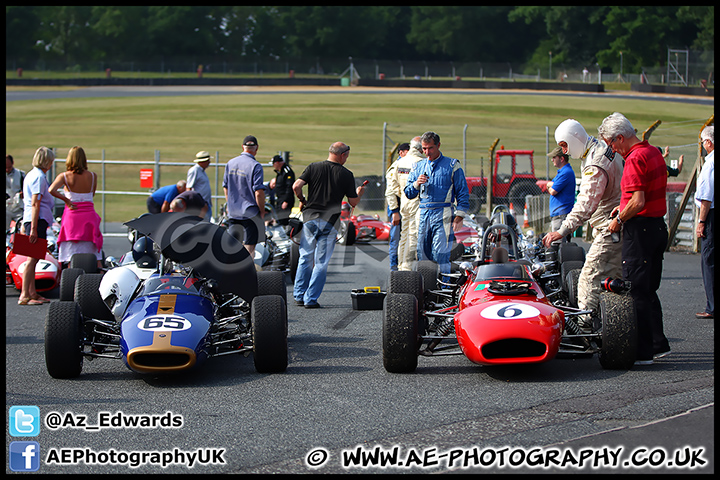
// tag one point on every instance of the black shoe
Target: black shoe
(299, 303)
(312, 305)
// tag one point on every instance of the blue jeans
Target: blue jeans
(393, 243)
(316, 246)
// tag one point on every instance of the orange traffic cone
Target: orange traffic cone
(512, 209)
(526, 223)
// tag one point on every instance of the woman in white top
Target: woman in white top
(37, 215)
(80, 224)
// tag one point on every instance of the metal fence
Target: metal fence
(695, 67)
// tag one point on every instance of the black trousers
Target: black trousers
(644, 242)
(707, 249)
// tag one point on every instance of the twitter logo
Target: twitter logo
(24, 421)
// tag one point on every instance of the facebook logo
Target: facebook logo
(24, 456)
(24, 421)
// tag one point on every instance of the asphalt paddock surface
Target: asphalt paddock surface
(336, 410)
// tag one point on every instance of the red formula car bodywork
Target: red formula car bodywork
(502, 298)
(47, 270)
(500, 309)
(361, 228)
(368, 227)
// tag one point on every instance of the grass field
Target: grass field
(132, 128)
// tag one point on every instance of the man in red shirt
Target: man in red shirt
(641, 216)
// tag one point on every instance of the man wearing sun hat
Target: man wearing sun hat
(198, 181)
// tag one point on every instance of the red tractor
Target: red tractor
(513, 179)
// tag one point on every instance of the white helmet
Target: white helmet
(571, 132)
(117, 288)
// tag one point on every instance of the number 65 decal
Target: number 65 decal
(164, 323)
(508, 311)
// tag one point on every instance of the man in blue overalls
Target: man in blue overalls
(440, 182)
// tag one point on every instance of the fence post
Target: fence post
(217, 180)
(102, 169)
(157, 169)
(465, 148)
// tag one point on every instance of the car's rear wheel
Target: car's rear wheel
(619, 331)
(67, 283)
(63, 340)
(429, 271)
(294, 259)
(87, 295)
(569, 252)
(85, 261)
(567, 267)
(272, 282)
(406, 282)
(269, 333)
(400, 333)
(571, 280)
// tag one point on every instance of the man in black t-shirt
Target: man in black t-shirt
(329, 182)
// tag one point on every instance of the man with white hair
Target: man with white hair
(641, 213)
(705, 201)
(405, 211)
(599, 194)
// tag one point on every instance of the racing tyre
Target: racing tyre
(272, 282)
(63, 340)
(67, 283)
(572, 286)
(85, 261)
(619, 331)
(567, 267)
(429, 271)
(269, 333)
(569, 252)
(400, 333)
(346, 233)
(87, 295)
(407, 282)
(294, 259)
(457, 251)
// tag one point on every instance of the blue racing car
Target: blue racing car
(187, 292)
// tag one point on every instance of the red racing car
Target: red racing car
(497, 310)
(47, 270)
(361, 228)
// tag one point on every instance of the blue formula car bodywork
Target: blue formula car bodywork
(160, 316)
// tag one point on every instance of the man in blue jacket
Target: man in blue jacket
(444, 201)
(561, 189)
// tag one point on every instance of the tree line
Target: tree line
(637, 36)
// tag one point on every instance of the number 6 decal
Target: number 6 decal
(510, 311)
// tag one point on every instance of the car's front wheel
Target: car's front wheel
(63, 340)
(400, 333)
(269, 333)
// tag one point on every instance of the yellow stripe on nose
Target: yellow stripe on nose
(166, 304)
